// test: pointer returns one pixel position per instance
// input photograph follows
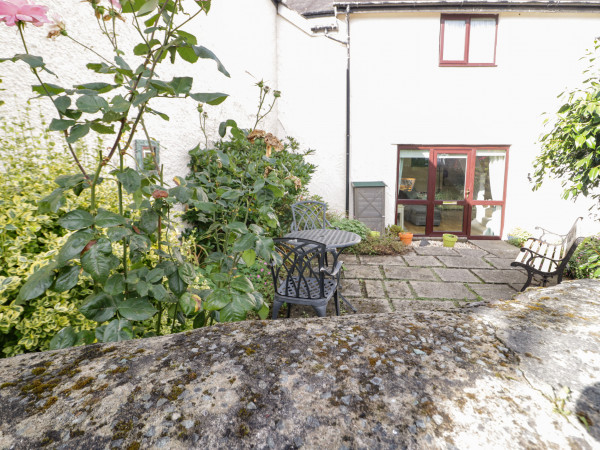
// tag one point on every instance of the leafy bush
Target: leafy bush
(352, 225)
(394, 230)
(518, 236)
(29, 239)
(585, 262)
(386, 244)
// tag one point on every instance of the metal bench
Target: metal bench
(547, 257)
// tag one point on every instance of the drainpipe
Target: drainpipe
(348, 111)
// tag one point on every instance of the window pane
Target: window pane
(448, 218)
(413, 174)
(489, 175)
(412, 218)
(451, 176)
(486, 220)
(454, 40)
(482, 40)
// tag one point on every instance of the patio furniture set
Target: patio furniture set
(308, 269)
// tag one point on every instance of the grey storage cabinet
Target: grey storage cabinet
(369, 203)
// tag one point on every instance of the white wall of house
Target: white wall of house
(400, 95)
(241, 33)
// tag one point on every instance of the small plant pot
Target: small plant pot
(405, 237)
(449, 240)
(375, 233)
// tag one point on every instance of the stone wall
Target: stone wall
(492, 376)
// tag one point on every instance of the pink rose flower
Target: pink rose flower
(115, 4)
(15, 11)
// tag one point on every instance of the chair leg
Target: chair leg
(528, 282)
(276, 306)
(337, 303)
(321, 310)
(289, 309)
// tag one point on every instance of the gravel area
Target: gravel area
(436, 243)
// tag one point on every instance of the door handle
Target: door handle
(468, 192)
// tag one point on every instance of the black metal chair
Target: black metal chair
(301, 277)
(309, 215)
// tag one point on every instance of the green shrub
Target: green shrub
(30, 161)
(352, 225)
(585, 262)
(386, 244)
(394, 230)
(517, 236)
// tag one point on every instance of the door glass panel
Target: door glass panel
(448, 218)
(486, 220)
(489, 175)
(412, 218)
(413, 174)
(451, 176)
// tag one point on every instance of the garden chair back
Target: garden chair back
(300, 276)
(309, 215)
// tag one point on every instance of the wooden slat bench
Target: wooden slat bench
(547, 257)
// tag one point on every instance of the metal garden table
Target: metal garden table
(335, 241)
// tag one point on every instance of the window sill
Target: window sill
(468, 65)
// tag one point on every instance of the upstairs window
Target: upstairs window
(468, 40)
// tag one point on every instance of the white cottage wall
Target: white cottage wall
(400, 95)
(312, 77)
(242, 34)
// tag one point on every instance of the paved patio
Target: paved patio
(429, 278)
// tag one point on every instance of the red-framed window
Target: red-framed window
(468, 40)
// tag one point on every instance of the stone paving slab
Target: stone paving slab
(374, 288)
(464, 262)
(501, 263)
(348, 258)
(493, 292)
(501, 276)
(455, 291)
(409, 273)
(391, 260)
(351, 288)
(398, 289)
(434, 251)
(461, 275)
(477, 252)
(423, 305)
(422, 261)
(362, 271)
(501, 249)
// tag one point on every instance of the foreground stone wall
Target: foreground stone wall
(490, 376)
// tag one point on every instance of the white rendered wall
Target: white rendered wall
(246, 47)
(400, 95)
(312, 78)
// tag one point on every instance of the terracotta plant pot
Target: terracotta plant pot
(405, 237)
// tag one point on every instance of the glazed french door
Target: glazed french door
(459, 190)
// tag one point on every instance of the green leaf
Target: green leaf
(85, 337)
(218, 299)
(149, 221)
(108, 219)
(143, 98)
(275, 190)
(265, 196)
(212, 98)
(187, 37)
(249, 257)
(65, 338)
(123, 64)
(51, 89)
(237, 227)
(187, 304)
(244, 242)
(62, 103)
(76, 220)
(69, 181)
(101, 128)
(52, 202)
(91, 103)
(99, 307)
(97, 262)
(579, 140)
(176, 284)
(233, 312)
(67, 278)
(98, 87)
(148, 7)
(263, 312)
(117, 233)
(77, 132)
(100, 68)
(36, 284)
(136, 309)
(205, 206)
(138, 242)
(130, 179)
(187, 272)
(231, 194)
(33, 61)
(188, 54)
(119, 104)
(264, 247)
(155, 275)
(242, 284)
(74, 245)
(115, 285)
(118, 330)
(203, 52)
(158, 292)
(181, 85)
(224, 125)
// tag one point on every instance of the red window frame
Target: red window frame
(465, 61)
